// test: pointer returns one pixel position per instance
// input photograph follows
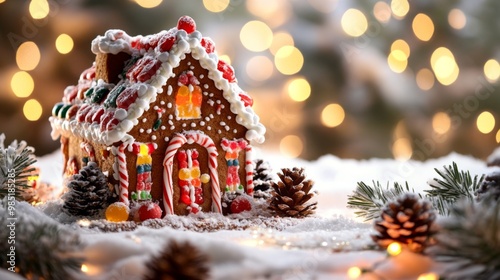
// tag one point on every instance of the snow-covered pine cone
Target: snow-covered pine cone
(408, 221)
(490, 187)
(178, 261)
(291, 194)
(262, 175)
(88, 192)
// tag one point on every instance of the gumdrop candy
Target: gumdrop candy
(126, 98)
(196, 182)
(240, 204)
(184, 174)
(198, 194)
(166, 42)
(183, 79)
(149, 210)
(227, 71)
(195, 172)
(187, 24)
(117, 212)
(82, 112)
(208, 44)
(246, 99)
(149, 71)
(205, 178)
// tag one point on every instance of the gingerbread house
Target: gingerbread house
(163, 117)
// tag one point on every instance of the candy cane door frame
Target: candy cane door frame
(189, 141)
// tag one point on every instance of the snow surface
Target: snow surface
(321, 247)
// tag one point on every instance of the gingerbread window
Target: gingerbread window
(188, 97)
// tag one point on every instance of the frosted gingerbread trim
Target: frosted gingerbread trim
(115, 41)
(177, 141)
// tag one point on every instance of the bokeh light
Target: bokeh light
(256, 36)
(382, 11)
(27, 56)
(64, 44)
(492, 70)
(441, 122)
(444, 66)
(425, 79)
(148, 4)
(22, 84)
(216, 6)
(401, 45)
(423, 27)
(291, 146)
(332, 115)
(298, 89)
(400, 8)
(497, 137)
(288, 60)
(485, 122)
(259, 68)
(354, 272)
(457, 19)
(394, 249)
(428, 276)
(354, 22)
(280, 39)
(397, 61)
(39, 9)
(401, 149)
(32, 110)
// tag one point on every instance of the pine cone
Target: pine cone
(178, 261)
(291, 194)
(408, 220)
(88, 192)
(262, 175)
(490, 187)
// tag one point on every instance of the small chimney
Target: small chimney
(110, 66)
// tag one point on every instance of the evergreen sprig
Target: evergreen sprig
(16, 162)
(369, 200)
(453, 185)
(44, 249)
(469, 240)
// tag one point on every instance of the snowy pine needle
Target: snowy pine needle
(15, 164)
(452, 186)
(369, 200)
(469, 240)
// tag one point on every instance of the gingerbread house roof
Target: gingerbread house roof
(106, 112)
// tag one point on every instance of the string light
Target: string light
(291, 146)
(84, 268)
(423, 27)
(394, 249)
(444, 66)
(497, 137)
(397, 61)
(492, 70)
(441, 122)
(288, 60)
(382, 11)
(64, 43)
(401, 149)
(256, 36)
(332, 115)
(354, 272)
(425, 79)
(32, 110)
(298, 89)
(400, 8)
(280, 39)
(457, 19)
(22, 84)
(27, 56)
(39, 9)
(259, 68)
(485, 122)
(216, 6)
(402, 46)
(148, 4)
(354, 23)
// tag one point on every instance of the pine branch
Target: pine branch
(452, 186)
(15, 164)
(469, 240)
(369, 200)
(43, 248)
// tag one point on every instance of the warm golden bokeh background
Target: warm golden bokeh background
(358, 79)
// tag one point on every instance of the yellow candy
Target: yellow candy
(205, 178)
(195, 172)
(117, 212)
(184, 174)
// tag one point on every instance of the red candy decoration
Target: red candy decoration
(227, 71)
(96, 118)
(240, 204)
(208, 44)
(106, 118)
(187, 24)
(149, 70)
(126, 98)
(166, 42)
(82, 112)
(149, 211)
(247, 100)
(183, 79)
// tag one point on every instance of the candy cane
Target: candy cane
(89, 150)
(249, 169)
(123, 173)
(168, 188)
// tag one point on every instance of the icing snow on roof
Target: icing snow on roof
(106, 113)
